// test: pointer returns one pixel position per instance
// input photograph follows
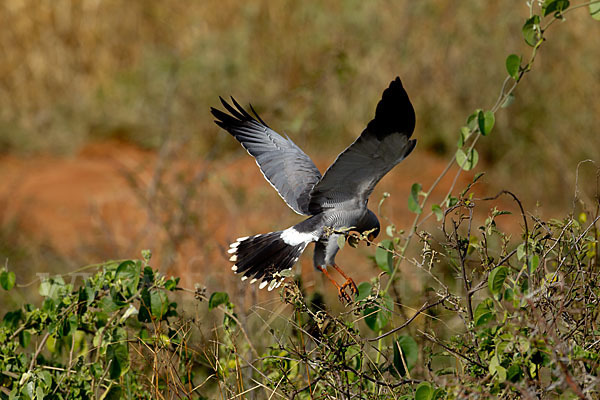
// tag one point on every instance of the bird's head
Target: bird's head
(369, 223)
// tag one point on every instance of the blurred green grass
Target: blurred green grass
(76, 71)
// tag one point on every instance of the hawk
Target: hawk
(332, 201)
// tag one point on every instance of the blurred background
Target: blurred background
(107, 145)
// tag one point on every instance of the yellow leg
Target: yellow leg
(349, 281)
(341, 292)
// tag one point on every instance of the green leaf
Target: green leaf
(114, 393)
(364, 291)
(24, 338)
(159, 303)
(410, 354)
(451, 201)
(12, 318)
(216, 299)
(389, 230)
(496, 279)
(341, 241)
(508, 101)
(171, 284)
(437, 211)
(383, 257)
(521, 251)
(424, 391)
(514, 373)
(68, 326)
(495, 368)
(45, 288)
(595, 11)
(533, 263)
(147, 255)
(117, 353)
(144, 309)
(532, 30)
(513, 64)
(413, 200)
(467, 162)
(465, 133)
(484, 312)
(472, 120)
(555, 6)
(377, 316)
(51, 344)
(128, 273)
(486, 122)
(7, 279)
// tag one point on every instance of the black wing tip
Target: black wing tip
(397, 83)
(237, 114)
(394, 112)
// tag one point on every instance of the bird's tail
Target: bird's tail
(264, 257)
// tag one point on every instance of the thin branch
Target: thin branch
(423, 308)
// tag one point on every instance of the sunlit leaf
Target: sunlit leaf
(413, 199)
(486, 122)
(377, 316)
(496, 279)
(464, 134)
(7, 279)
(533, 263)
(484, 312)
(437, 211)
(554, 6)
(531, 30)
(389, 230)
(513, 64)
(496, 368)
(128, 273)
(424, 391)
(159, 303)
(24, 338)
(217, 298)
(521, 251)
(472, 120)
(410, 354)
(364, 291)
(383, 257)
(595, 11)
(171, 284)
(341, 241)
(451, 201)
(467, 162)
(508, 101)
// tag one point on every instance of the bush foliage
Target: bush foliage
(523, 322)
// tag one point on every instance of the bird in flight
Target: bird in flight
(333, 202)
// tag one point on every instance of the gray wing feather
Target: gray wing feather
(350, 180)
(284, 165)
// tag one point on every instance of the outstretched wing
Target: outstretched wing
(287, 168)
(381, 146)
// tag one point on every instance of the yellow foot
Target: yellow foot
(342, 290)
(350, 282)
(343, 295)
